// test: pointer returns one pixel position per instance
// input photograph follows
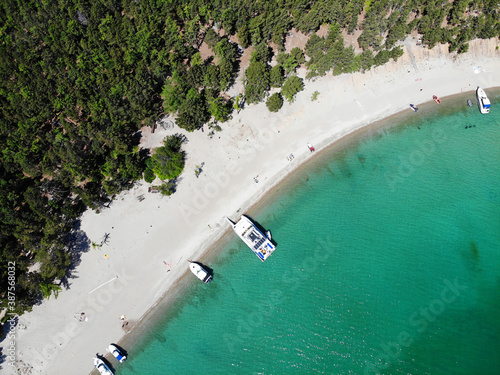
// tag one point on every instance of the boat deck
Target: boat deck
(254, 238)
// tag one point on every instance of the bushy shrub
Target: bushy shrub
(291, 87)
(277, 76)
(275, 102)
(168, 161)
(149, 175)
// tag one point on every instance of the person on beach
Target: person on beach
(81, 318)
(168, 265)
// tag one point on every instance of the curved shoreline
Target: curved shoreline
(156, 314)
(145, 235)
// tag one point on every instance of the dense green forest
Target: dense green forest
(80, 78)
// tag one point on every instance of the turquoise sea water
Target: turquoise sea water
(388, 261)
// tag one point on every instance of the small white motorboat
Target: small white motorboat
(200, 272)
(117, 353)
(101, 366)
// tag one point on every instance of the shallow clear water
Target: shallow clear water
(388, 261)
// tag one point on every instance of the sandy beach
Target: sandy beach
(133, 252)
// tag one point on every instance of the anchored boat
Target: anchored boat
(113, 349)
(260, 243)
(200, 272)
(102, 367)
(482, 101)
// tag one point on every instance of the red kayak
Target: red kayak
(436, 99)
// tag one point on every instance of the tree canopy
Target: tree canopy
(291, 87)
(256, 81)
(275, 102)
(168, 161)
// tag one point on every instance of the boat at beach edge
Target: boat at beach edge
(117, 353)
(200, 272)
(253, 237)
(483, 102)
(102, 366)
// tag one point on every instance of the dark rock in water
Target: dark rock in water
(474, 250)
(474, 256)
(161, 338)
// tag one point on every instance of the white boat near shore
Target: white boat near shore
(260, 243)
(102, 367)
(200, 272)
(482, 101)
(113, 349)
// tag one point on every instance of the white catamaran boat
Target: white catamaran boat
(260, 243)
(200, 272)
(102, 366)
(482, 101)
